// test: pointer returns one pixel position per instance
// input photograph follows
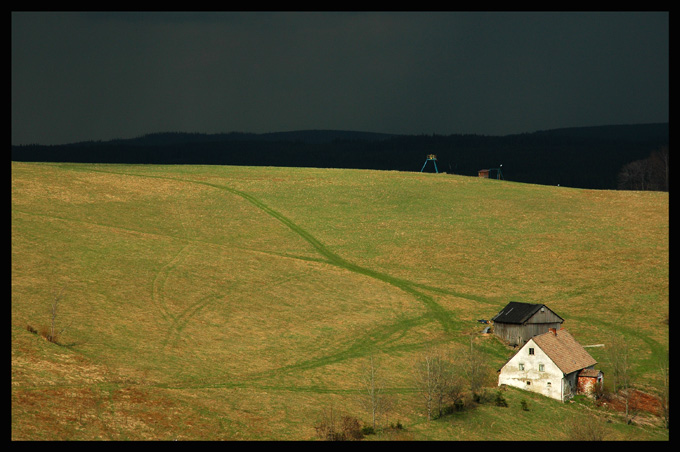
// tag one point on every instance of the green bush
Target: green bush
(368, 430)
(398, 426)
(500, 400)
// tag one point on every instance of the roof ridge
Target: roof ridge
(521, 312)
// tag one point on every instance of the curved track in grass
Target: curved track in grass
(438, 312)
(360, 346)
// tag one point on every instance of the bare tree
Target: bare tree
(474, 368)
(53, 334)
(622, 370)
(445, 379)
(634, 175)
(326, 428)
(646, 174)
(425, 374)
(661, 170)
(375, 400)
(434, 379)
(456, 389)
(330, 428)
(665, 389)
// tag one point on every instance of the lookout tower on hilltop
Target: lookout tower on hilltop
(433, 158)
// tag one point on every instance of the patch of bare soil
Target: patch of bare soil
(639, 401)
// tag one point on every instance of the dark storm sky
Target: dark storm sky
(98, 76)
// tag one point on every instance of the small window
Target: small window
(521, 366)
(549, 384)
(531, 350)
(541, 367)
(528, 383)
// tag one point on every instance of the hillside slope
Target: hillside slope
(217, 302)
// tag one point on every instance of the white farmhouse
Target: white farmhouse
(548, 364)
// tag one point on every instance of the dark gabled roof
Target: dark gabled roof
(516, 312)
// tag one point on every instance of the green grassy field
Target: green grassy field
(239, 303)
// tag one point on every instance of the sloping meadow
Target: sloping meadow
(208, 302)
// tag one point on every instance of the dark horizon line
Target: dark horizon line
(387, 134)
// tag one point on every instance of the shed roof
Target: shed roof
(564, 351)
(516, 312)
(594, 373)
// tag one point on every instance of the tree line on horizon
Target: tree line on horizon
(651, 173)
(609, 157)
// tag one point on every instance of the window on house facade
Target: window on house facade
(521, 366)
(531, 350)
(541, 367)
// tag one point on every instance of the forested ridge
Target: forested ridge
(584, 157)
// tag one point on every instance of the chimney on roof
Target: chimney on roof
(553, 331)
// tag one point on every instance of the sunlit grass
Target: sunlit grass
(237, 302)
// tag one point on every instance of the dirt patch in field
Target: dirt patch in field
(639, 401)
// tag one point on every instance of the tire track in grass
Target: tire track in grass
(440, 314)
(180, 321)
(361, 346)
(381, 336)
(377, 337)
(443, 316)
(158, 285)
(657, 351)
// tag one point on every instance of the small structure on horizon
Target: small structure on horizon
(485, 172)
(433, 158)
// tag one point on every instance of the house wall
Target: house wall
(548, 382)
(570, 385)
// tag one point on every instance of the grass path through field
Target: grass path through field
(443, 316)
(359, 346)
(158, 286)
